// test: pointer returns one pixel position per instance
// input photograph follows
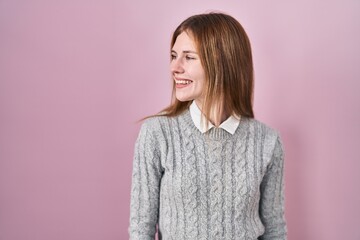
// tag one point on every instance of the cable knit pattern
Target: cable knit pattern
(216, 190)
(239, 184)
(191, 187)
(209, 186)
(204, 216)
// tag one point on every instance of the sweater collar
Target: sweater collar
(230, 125)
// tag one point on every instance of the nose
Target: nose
(176, 66)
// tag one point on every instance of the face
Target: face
(186, 70)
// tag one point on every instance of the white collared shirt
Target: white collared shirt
(230, 125)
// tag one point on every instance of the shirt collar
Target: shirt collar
(230, 125)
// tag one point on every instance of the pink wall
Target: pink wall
(76, 75)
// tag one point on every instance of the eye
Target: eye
(190, 58)
(173, 57)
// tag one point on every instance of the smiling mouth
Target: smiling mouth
(183, 82)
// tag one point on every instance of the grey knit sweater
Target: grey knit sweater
(208, 186)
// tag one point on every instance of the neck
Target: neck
(217, 114)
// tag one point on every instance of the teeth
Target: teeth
(183, 81)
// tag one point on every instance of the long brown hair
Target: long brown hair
(225, 53)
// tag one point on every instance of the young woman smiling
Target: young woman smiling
(204, 167)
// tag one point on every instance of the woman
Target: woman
(204, 168)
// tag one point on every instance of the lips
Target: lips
(183, 81)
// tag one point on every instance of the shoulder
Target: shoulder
(156, 134)
(156, 127)
(152, 125)
(270, 138)
(262, 128)
(152, 122)
(164, 124)
(155, 123)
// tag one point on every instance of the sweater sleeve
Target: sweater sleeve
(146, 177)
(272, 196)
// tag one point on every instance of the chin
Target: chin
(184, 99)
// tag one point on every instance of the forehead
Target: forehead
(184, 42)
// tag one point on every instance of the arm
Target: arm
(272, 196)
(145, 189)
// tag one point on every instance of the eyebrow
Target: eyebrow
(186, 51)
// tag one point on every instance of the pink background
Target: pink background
(75, 76)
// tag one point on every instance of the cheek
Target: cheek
(199, 74)
(201, 80)
(199, 87)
